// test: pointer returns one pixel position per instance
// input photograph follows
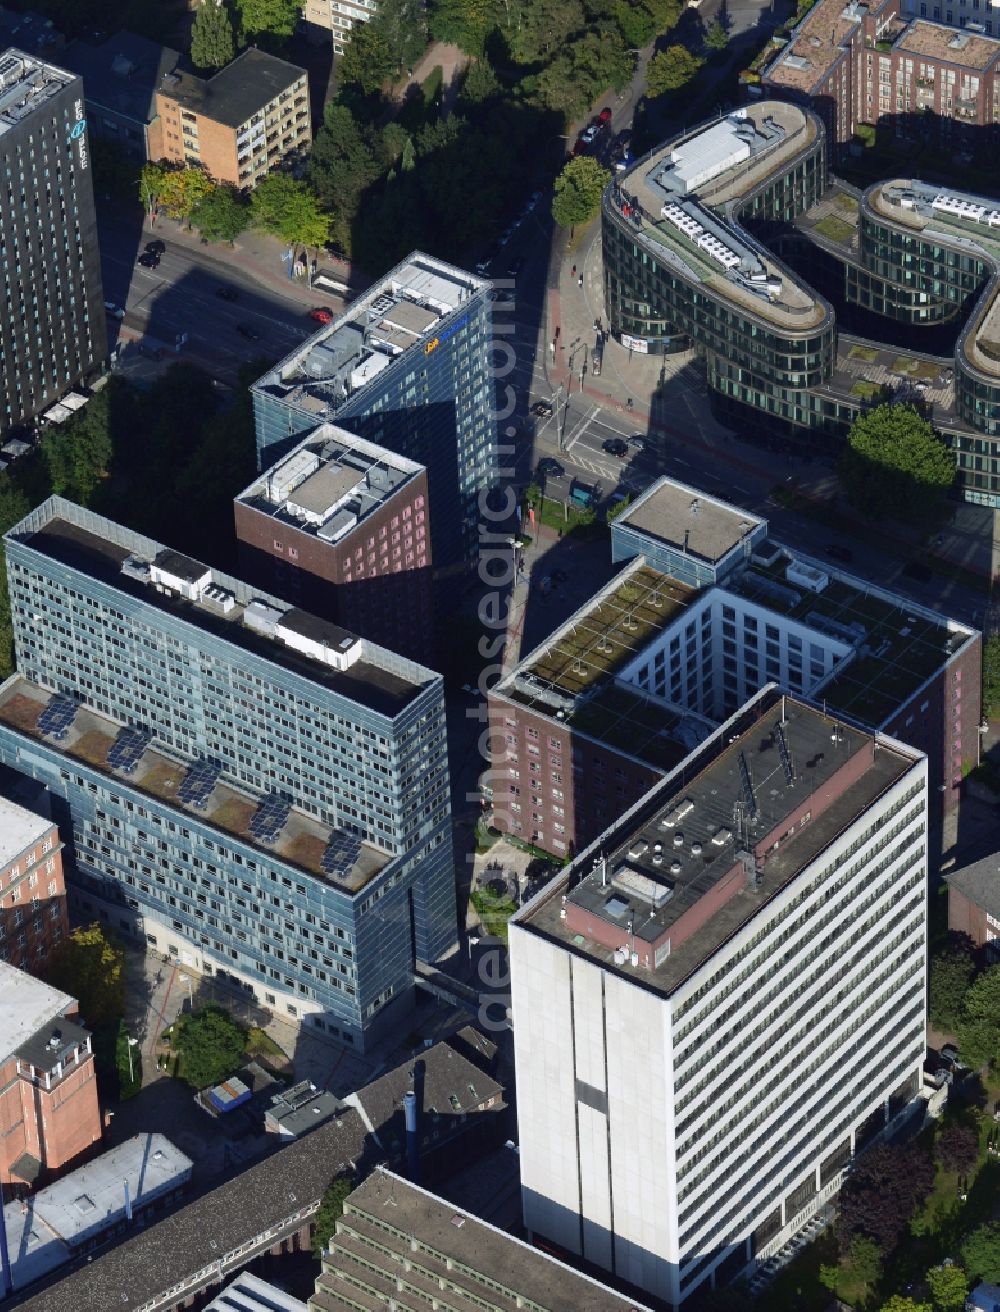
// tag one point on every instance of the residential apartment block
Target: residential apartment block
(406, 367)
(974, 904)
(49, 1112)
(721, 1000)
(239, 123)
(397, 1239)
(33, 915)
(342, 527)
(251, 789)
(121, 77)
(616, 697)
(53, 333)
(333, 20)
(869, 63)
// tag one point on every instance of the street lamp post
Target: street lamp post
(131, 1070)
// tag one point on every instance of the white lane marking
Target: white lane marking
(580, 429)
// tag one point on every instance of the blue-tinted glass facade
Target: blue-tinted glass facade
(359, 752)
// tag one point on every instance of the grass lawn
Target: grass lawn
(867, 391)
(846, 203)
(557, 515)
(838, 230)
(260, 1044)
(494, 910)
(905, 364)
(866, 353)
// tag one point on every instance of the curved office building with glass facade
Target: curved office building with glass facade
(684, 269)
(681, 269)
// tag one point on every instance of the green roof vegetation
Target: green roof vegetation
(835, 228)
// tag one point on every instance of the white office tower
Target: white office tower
(721, 1001)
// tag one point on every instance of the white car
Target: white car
(589, 134)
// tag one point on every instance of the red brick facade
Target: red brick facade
(33, 901)
(52, 1115)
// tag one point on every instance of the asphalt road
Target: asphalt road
(180, 297)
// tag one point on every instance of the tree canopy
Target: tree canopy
(991, 677)
(957, 1147)
(904, 1303)
(272, 17)
(289, 209)
(978, 1028)
(212, 42)
(981, 1253)
(183, 189)
(882, 1192)
(716, 37)
(671, 69)
(895, 466)
(211, 1044)
(951, 971)
(949, 1286)
(90, 966)
(331, 1209)
(221, 215)
(576, 197)
(77, 453)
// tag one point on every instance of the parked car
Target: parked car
(637, 442)
(550, 468)
(542, 409)
(227, 293)
(251, 334)
(148, 260)
(151, 352)
(156, 247)
(604, 117)
(614, 446)
(115, 311)
(588, 135)
(836, 552)
(322, 314)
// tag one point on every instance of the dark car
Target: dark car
(251, 334)
(542, 409)
(614, 446)
(151, 352)
(227, 293)
(156, 247)
(148, 260)
(549, 468)
(836, 552)
(559, 576)
(921, 573)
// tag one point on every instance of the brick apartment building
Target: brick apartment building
(341, 527)
(974, 904)
(333, 20)
(32, 887)
(49, 1112)
(239, 123)
(865, 63)
(619, 695)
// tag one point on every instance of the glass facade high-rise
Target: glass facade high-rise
(258, 791)
(407, 367)
(52, 326)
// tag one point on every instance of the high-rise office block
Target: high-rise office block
(721, 1001)
(407, 367)
(52, 327)
(342, 527)
(255, 790)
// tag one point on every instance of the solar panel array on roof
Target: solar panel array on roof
(126, 751)
(57, 717)
(268, 820)
(198, 783)
(341, 853)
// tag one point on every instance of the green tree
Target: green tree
(404, 26)
(331, 1209)
(289, 209)
(951, 971)
(895, 466)
(981, 1253)
(90, 966)
(864, 1259)
(991, 677)
(587, 66)
(882, 1192)
(211, 1044)
(212, 41)
(480, 83)
(717, 38)
(671, 69)
(949, 1286)
(14, 505)
(903, 1303)
(77, 453)
(635, 22)
(578, 188)
(618, 508)
(542, 28)
(273, 17)
(183, 190)
(220, 215)
(151, 179)
(978, 1028)
(367, 60)
(464, 23)
(342, 166)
